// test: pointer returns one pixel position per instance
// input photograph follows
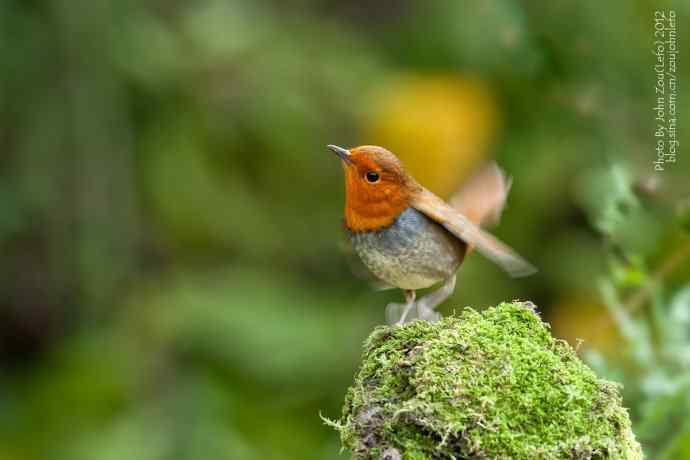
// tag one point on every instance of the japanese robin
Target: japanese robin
(411, 239)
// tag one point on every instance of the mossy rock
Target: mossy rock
(490, 385)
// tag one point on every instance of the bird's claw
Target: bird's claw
(424, 308)
(395, 311)
(426, 313)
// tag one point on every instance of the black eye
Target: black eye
(372, 177)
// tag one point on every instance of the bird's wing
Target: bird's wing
(483, 196)
(460, 226)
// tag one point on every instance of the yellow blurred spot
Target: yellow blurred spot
(441, 127)
(583, 318)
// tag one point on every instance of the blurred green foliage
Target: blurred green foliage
(173, 282)
(651, 309)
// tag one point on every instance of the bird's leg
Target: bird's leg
(427, 304)
(397, 312)
(409, 303)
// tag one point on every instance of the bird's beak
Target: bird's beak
(344, 154)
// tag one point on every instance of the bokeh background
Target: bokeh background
(175, 278)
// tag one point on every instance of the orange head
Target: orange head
(377, 189)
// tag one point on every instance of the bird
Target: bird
(411, 239)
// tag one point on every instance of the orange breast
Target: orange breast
(370, 208)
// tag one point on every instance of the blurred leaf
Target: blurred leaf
(608, 197)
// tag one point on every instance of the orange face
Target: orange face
(377, 188)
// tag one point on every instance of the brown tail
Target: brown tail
(483, 197)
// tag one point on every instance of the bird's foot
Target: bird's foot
(427, 314)
(395, 311)
(401, 313)
(426, 306)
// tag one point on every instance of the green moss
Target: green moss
(481, 385)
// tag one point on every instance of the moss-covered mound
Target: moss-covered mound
(481, 385)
